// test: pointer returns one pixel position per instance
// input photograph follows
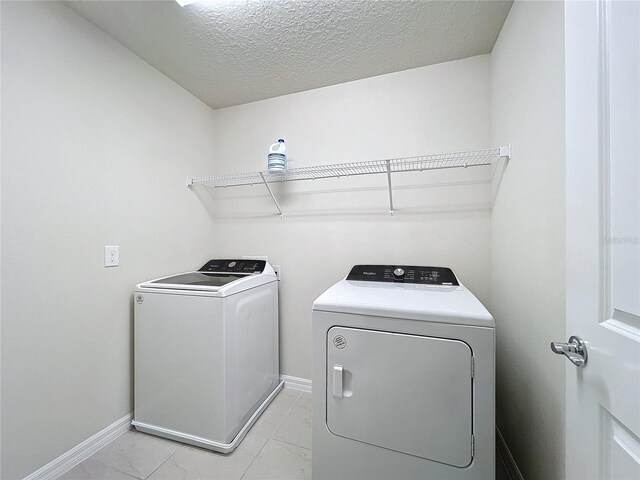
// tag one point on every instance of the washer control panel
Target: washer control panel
(234, 266)
(403, 274)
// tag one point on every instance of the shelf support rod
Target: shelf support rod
(266, 184)
(390, 188)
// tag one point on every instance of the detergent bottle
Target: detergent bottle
(277, 159)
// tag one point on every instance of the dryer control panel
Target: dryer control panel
(234, 266)
(403, 274)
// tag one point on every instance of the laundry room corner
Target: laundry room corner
(442, 218)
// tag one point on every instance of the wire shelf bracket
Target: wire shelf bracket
(390, 187)
(469, 158)
(273, 197)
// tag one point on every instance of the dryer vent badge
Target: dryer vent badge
(339, 341)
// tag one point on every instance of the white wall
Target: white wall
(443, 218)
(95, 148)
(527, 267)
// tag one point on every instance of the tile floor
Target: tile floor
(278, 447)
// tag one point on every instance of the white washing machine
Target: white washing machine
(403, 377)
(206, 352)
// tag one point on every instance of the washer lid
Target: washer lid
(217, 277)
(203, 279)
(429, 303)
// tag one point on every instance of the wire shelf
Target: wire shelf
(396, 165)
(469, 158)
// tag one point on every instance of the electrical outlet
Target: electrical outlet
(111, 256)
(278, 270)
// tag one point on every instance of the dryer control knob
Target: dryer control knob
(398, 272)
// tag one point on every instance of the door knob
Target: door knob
(575, 350)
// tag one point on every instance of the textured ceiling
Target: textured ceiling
(229, 52)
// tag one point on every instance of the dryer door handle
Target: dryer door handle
(337, 381)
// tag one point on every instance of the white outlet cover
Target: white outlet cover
(111, 256)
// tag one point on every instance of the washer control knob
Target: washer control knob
(398, 272)
(232, 264)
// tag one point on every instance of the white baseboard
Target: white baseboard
(296, 383)
(77, 454)
(505, 455)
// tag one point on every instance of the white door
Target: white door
(407, 393)
(603, 226)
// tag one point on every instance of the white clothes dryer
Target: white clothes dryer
(403, 377)
(206, 352)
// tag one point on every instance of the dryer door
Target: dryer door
(408, 393)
